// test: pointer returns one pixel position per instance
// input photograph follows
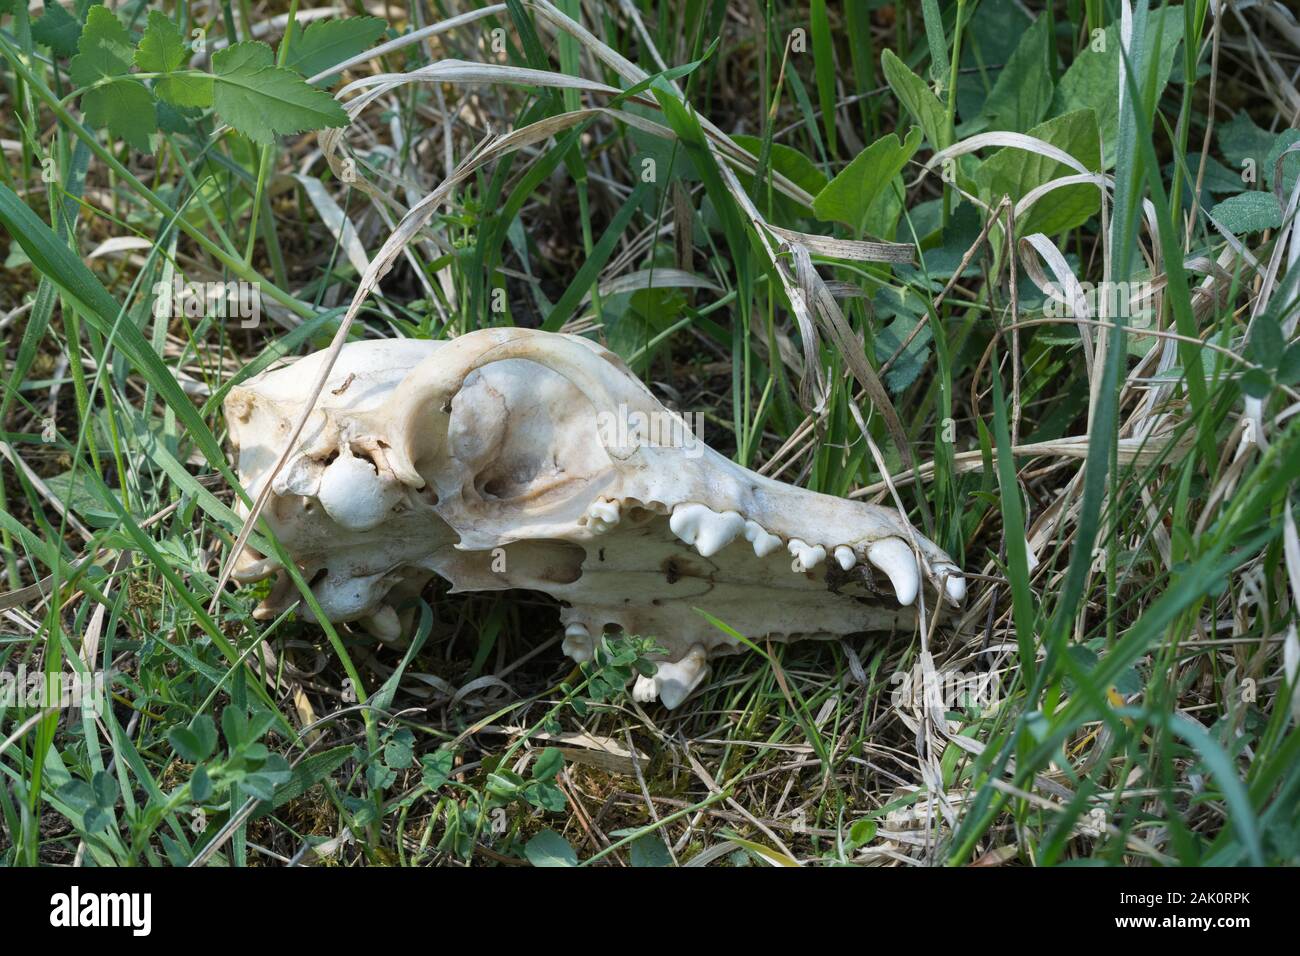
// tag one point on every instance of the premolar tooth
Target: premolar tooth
(602, 516)
(806, 556)
(763, 541)
(717, 531)
(895, 558)
(686, 520)
(956, 583)
(577, 642)
(845, 556)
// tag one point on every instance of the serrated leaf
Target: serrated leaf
(918, 99)
(327, 42)
(263, 101)
(57, 29)
(1024, 88)
(162, 50)
(126, 108)
(1240, 139)
(848, 197)
(1092, 81)
(104, 49)
(1014, 172)
(251, 54)
(1248, 212)
(548, 848)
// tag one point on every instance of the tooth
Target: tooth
(645, 690)
(956, 583)
(717, 531)
(764, 543)
(577, 642)
(603, 515)
(384, 624)
(806, 557)
(895, 558)
(686, 519)
(845, 556)
(676, 681)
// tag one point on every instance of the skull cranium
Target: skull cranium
(510, 458)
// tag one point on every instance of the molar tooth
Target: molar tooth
(602, 515)
(717, 531)
(895, 558)
(764, 542)
(577, 642)
(686, 520)
(845, 556)
(806, 556)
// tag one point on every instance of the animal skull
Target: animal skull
(509, 458)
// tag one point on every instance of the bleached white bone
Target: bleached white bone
(487, 460)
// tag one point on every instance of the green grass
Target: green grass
(1118, 489)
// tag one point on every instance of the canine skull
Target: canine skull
(509, 458)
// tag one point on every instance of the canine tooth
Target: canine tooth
(895, 558)
(577, 642)
(764, 542)
(602, 516)
(717, 531)
(806, 556)
(686, 520)
(845, 556)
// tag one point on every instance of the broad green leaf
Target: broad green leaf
(790, 163)
(436, 767)
(327, 42)
(919, 100)
(57, 29)
(1023, 90)
(1014, 172)
(1250, 211)
(126, 108)
(1093, 78)
(163, 50)
(105, 49)
(649, 850)
(250, 55)
(849, 196)
(104, 57)
(195, 742)
(263, 101)
(548, 848)
(1290, 163)
(1240, 140)
(548, 763)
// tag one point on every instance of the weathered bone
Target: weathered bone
(490, 460)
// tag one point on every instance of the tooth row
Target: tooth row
(711, 531)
